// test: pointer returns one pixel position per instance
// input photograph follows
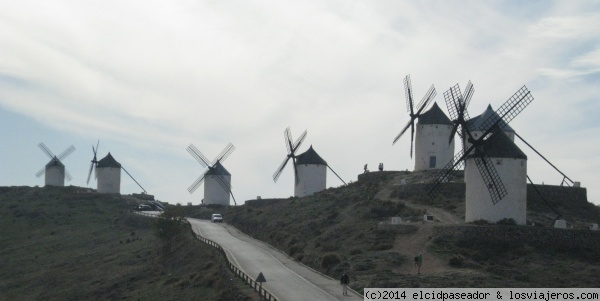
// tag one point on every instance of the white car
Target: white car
(216, 218)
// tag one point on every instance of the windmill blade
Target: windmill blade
(335, 173)
(224, 154)
(402, 132)
(490, 177)
(96, 150)
(509, 110)
(68, 175)
(196, 183)
(198, 155)
(453, 98)
(408, 94)
(469, 90)
(133, 178)
(287, 136)
(547, 161)
(41, 172)
(431, 93)
(445, 174)
(90, 173)
(46, 150)
(296, 171)
(412, 138)
(280, 169)
(66, 152)
(299, 141)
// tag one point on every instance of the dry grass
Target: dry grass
(69, 244)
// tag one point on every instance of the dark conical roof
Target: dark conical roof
(108, 161)
(435, 115)
(310, 157)
(218, 170)
(478, 121)
(500, 146)
(55, 162)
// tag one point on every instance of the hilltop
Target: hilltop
(69, 243)
(347, 229)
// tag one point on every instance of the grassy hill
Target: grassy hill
(347, 229)
(72, 244)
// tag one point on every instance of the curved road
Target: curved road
(286, 279)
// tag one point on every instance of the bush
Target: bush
(456, 261)
(507, 221)
(355, 251)
(330, 260)
(169, 227)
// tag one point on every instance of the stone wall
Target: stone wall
(539, 237)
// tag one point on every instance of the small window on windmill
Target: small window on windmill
(498, 161)
(432, 161)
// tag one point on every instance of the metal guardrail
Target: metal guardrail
(262, 292)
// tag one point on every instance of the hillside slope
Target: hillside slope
(347, 229)
(72, 244)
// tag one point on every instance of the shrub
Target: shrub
(382, 247)
(506, 221)
(355, 251)
(330, 260)
(456, 261)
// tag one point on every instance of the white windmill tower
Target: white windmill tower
(310, 170)
(424, 149)
(496, 170)
(55, 170)
(431, 148)
(511, 165)
(108, 173)
(217, 180)
(312, 173)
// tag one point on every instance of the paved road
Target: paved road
(286, 279)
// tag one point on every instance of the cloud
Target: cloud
(148, 78)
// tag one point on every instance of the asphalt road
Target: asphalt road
(286, 279)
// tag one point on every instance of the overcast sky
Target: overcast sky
(147, 78)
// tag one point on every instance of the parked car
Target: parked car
(216, 218)
(143, 208)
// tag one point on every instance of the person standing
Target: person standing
(344, 281)
(419, 262)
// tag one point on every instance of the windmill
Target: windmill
(292, 147)
(410, 108)
(217, 188)
(310, 170)
(55, 170)
(108, 173)
(94, 163)
(457, 107)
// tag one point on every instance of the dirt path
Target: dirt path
(411, 245)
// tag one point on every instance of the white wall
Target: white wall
(214, 193)
(432, 140)
(513, 173)
(109, 179)
(311, 178)
(55, 176)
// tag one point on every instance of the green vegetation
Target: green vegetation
(69, 243)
